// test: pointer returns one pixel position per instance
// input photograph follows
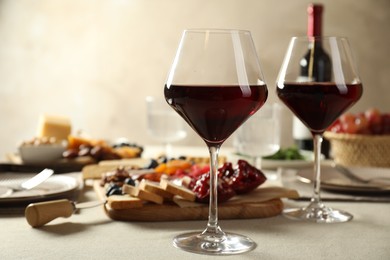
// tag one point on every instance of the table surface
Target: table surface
(90, 234)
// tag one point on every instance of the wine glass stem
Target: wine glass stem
(212, 225)
(168, 150)
(257, 162)
(317, 141)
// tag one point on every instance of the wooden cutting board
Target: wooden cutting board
(240, 208)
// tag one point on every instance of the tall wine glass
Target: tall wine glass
(215, 84)
(318, 101)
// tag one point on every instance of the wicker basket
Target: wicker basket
(360, 150)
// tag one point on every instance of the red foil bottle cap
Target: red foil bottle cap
(314, 25)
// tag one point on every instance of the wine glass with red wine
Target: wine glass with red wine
(318, 81)
(215, 84)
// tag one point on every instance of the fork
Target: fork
(30, 183)
(350, 175)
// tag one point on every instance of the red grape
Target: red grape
(374, 120)
(371, 122)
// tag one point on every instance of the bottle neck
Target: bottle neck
(314, 25)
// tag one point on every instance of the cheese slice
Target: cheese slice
(54, 126)
(177, 190)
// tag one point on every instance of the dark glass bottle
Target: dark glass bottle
(314, 65)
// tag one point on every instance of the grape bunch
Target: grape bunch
(370, 122)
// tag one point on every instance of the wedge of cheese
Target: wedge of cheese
(58, 127)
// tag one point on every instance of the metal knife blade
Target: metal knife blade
(37, 179)
(89, 204)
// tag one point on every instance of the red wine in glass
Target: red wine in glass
(316, 63)
(319, 104)
(215, 112)
(318, 101)
(215, 83)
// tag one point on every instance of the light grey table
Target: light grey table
(92, 235)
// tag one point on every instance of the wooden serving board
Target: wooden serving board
(235, 209)
(172, 212)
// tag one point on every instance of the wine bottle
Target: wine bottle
(314, 65)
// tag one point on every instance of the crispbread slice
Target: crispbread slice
(142, 194)
(156, 189)
(124, 202)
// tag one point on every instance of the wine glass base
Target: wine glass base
(228, 244)
(318, 213)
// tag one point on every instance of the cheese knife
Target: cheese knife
(41, 213)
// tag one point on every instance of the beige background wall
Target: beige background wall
(96, 60)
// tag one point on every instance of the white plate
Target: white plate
(334, 181)
(274, 164)
(56, 185)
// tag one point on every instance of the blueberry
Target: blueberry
(162, 159)
(151, 164)
(113, 189)
(118, 145)
(123, 143)
(117, 191)
(129, 181)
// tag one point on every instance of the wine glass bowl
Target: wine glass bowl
(215, 84)
(318, 81)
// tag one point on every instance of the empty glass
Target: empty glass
(260, 135)
(164, 124)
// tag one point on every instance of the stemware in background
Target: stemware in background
(260, 135)
(164, 124)
(215, 84)
(318, 102)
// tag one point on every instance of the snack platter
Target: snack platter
(262, 202)
(172, 212)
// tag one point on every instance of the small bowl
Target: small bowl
(42, 153)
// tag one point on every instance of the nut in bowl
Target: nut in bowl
(41, 151)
